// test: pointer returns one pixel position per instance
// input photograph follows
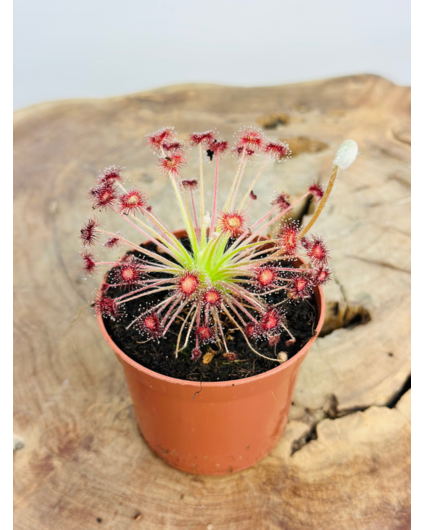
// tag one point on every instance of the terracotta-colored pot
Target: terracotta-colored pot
(213, 428)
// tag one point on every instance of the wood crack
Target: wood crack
(330, 411)
(379, 263)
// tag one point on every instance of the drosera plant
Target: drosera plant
(230, 266)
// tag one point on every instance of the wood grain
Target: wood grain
(343, 462)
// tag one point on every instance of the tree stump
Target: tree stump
(344, 460)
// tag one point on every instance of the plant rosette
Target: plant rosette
(221, 278)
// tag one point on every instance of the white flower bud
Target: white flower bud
(282, 357)
(346, 154)
(206, 221)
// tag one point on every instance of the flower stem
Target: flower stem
(238, 184)
(322, 203)
(175, 314)
(234, 181)
(114, 263)
(162, 242)
(187, 220)
(154, 219)
(245, 337)
(142, 250)
(189, 331)
(213, 215)
(217, 320)
(182, 328)
(201, 184)
(144, 294)
(277, 217)
(131, 293)
(145, 234)
(253, 184)
(197, 230)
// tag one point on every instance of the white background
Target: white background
(96, 48)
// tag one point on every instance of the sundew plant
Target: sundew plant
(223, 274)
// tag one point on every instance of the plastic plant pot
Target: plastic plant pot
(213, 428)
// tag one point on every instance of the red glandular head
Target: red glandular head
(300, 287)
(305, 242)
(173, 147)
(271, 321)
(171, 165)
(107, 307)
(103, 195)
(204, 138)
(112, 242)
(318, 252)
(133, 201)
(317, 191)
(251, 138)
(204, 334)
(240, 150)
(322, 275)
(218, 146)
(88, 232)
(89, 264)
(233, 223)
(212, 297)
(129, 273)
(274, 340)
(288, 237)
(282, 200)
(150, 325)
(188, 284)
(190, 184)
(266, 277)
(196, 354)
(277, 150)
(110, 174)
(155, 140)
(252, 330)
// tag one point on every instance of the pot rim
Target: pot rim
(234, 382)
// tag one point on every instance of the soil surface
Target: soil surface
(301, 320)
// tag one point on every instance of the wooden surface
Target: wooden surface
(344, 461)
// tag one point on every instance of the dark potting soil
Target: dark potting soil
(301, 320)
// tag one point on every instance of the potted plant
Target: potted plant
(210, 323)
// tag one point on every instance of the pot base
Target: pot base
(215, 469)
(216, 428)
